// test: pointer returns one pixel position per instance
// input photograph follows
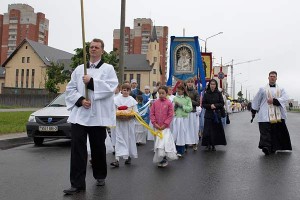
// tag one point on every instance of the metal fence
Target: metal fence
(26, 100)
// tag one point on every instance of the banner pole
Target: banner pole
(84, 46)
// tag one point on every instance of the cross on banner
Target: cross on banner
(220, 74)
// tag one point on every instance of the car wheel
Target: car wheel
(38, 141)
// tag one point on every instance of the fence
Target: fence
(26, 100)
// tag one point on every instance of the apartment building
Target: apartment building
(138, 38)
(19, 23)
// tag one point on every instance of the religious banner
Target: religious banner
(220, 75)
(185, 60)
(207, 64)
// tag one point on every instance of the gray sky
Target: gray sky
(268, 30)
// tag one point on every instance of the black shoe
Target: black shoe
(213, 148)
(128, 161)
(100, 182)
(266, 150)
(115, 164)
(208, 148)
(91, 162)
(73, 190)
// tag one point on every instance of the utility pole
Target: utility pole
(231, 73)
(122, 42)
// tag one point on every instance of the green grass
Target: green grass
(13, 122)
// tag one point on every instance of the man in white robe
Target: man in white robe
(269, 103)
(90, 115)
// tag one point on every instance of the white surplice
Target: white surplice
(102, 111)
(260, 104)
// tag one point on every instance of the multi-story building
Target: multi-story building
(19, 23)
(138, 38)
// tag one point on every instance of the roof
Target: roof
(136, 62)
(154, 35)
(46, 53)
(2, 72)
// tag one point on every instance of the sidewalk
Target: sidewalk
(18, 109)
(13, 136)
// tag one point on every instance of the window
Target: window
(155, 59)
(131, 77)
(138, 79)
(17, 77)
(32, 78)
(27, 77)
(23, 59)
(125, 77)
(154, 71)
(28, 59)
(153, 83)
(22, 77)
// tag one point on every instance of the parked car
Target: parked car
(50, 122)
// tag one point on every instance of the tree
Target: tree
(56, 75)
(240, 96)
(110, 58)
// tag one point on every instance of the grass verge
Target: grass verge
(13, 122)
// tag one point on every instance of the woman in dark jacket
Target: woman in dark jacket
(213, 133)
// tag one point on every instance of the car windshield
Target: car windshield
(59, 101)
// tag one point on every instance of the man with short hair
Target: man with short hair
(90, 115)
(270, 103)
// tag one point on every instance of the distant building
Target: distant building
(138, 38)
(19, 23)
(25, 68)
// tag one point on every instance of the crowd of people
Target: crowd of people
(174, 118)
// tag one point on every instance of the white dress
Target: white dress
(125, 130)
(165, 147)
(179, 130)
(191, 136)
(140, 133)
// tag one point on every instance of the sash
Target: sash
(274, 111)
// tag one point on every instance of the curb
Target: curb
(14, 142)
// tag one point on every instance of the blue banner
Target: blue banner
(186, 60)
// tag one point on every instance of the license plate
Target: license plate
(48, 128)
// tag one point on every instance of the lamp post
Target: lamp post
(205, 41)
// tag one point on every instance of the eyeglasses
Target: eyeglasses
(94, 47)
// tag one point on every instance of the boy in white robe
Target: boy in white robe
(125, 146)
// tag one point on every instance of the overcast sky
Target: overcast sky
(268, 30)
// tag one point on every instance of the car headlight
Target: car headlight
(31, 118)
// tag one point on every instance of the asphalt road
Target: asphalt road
(238, 171)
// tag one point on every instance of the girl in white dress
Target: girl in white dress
(161, 115)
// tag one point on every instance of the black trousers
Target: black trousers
(97, 135)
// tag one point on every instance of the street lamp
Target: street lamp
(205, 41)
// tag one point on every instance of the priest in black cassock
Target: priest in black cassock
(269, 104)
